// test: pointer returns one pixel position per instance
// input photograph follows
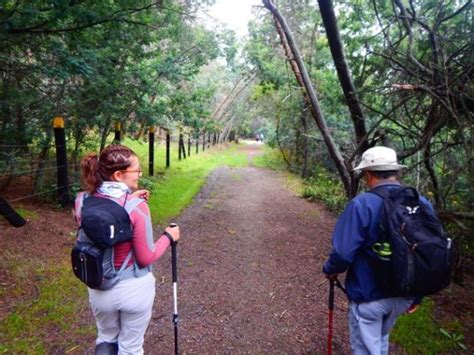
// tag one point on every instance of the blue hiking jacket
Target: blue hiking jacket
(355, 232)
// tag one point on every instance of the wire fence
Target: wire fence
(33, 195)
(37, 181)
(28, 171)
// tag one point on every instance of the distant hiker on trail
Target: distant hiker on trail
(123, 312)
(373, 310)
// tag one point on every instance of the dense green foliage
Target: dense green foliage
(98, 63)
(411, 64)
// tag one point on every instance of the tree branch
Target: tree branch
(118, 15)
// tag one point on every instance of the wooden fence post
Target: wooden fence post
(118, 132)
(61, 161)
(151, 150)
(183, 147)
(168, 139)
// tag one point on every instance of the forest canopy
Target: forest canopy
(320, 80)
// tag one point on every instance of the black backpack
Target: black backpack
(104, 223)
(415, 254)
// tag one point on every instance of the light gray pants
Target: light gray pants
(371, 322)
(122, 313)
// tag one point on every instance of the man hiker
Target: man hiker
(372, 310)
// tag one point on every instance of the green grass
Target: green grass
(26, 214)
(270, 159)
(173, 189)
(52, 307)
(418, 333)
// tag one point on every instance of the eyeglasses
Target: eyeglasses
(139, 170)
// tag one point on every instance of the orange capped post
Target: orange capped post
(58, 122)
(118, 132)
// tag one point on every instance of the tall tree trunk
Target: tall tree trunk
(318, 116)
(434, 180)
(104, 133)
(335, 44)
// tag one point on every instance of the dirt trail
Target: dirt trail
(249, 271)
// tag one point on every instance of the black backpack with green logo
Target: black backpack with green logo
(415, 253)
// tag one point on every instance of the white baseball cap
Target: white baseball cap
(379, 159)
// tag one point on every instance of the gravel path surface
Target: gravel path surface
(249, 271)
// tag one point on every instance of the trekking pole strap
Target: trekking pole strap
(339, 285)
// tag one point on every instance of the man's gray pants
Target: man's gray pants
(371, 322)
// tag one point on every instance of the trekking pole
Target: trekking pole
(331, 309)
(333, 281)
(174, 269)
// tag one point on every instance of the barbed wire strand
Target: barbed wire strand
(36, 194)
(34, 170)
(30, 146)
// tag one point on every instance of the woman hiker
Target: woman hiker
(123, 312)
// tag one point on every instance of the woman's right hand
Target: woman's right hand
(174, 232)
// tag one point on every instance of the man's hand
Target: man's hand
(412, 308)
(332, 277)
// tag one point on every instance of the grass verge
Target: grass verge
(47, 304)
(419, 333)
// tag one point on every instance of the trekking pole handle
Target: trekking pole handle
(174, 257)
(331, 295)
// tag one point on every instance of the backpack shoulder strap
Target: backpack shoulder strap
(130, 205)
(125, 263)
(380, 191)
(80, 202)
